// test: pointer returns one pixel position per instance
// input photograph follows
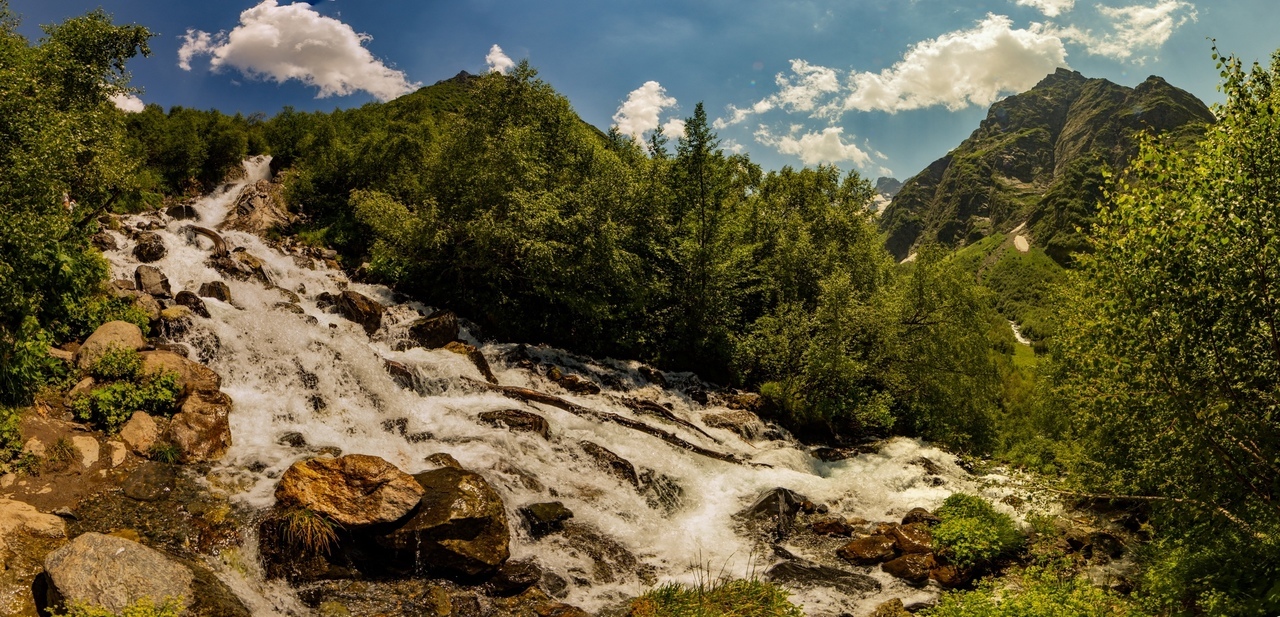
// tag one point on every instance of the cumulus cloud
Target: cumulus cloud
(127, 103)
(498, 62)
(1132, 29)
(813, 148)
(673, 128)
(280, 43)
(642, 110)
(1050, 8)
(958, 69)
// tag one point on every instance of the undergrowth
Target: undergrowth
(723, 598)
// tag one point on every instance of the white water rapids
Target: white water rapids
(326, 380)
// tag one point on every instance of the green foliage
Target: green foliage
(170, 607)
(99, 308)
(59, 136)
(972, 532)
(112, 405)
(1171, 368)
(164, 452)
(1037, 591)
(724, 598)
(117, 363)
(10, 437)
(187, 151)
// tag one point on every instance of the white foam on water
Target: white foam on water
(325, 378)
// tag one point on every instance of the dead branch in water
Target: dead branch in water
(219, 245)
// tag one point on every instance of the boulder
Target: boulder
(148, 304)
(746, 401)
(353, 490)
(545, 518)
(913, 538)
(892, 608)
(517, 420)
(615, 465)
(216, 290)
(201, 430)
(121, 334)
(920, 515)
(573, 383)
(949, 576)
(112, 572)
(240, 265)
(89, 449)
(26, 536)
(104, 241)
(150, 247)
(779, 503)
(150, 280)
(459, 527)
(796, 573)
(183, 212)
(258, 209)
(140, 433)
(435, 331)
(867, 550)
(361, 309)
(192, 376)
(400, 372)
(653, 375)
(477, 358)
(513, 577)
(743, 423)
(913, 568)
(193, 302)
(832, 527)
(443, 459)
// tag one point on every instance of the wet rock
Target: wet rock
(121, 334)
(611, 463)
(289, 307)
(149, 305)
(545, 518)
(353, 490)
(913, 538)
(150, 482)
(325, 300)
(832, 527)
(258, 209)
(697, 395)
(151, 280)
(459, 527)
(26, 536)
(289, 296)
(201, 430)
(140, 433)
(892, 608)
(949, 576)
(384, 598)
(150, 247)
(653, 375)
(930, 466)
(183, 212)
(477, 358)
(240, 265)
(517, 420)
(661, 491)
(193, 302)
(444, 459)
(914, 568)
(804, 574)
(112, 572)
(217, 290)
(361, 309)
(746, 401)
(573, 383)
(293, 439)
(104, 241)
(920, 515)
(867, 550)
(192, 376)
(743, 423)
(435, 331)
(513, 577)
(401, 373)
(775, 503)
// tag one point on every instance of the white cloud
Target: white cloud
(498, 62)
(673, 128)
(642, 109)
(128, 103)
(813, 148)
(1132, 29)
(1050, 8)
(811, 82)
(280, 43)
(958, 69)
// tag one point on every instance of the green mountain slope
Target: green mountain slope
(1038, 158)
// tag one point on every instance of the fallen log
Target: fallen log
(649, 407)
(219, 245)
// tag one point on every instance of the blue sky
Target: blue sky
(881, 86)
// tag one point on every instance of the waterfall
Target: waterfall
(321, 376)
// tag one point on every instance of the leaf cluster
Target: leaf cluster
(972, 532)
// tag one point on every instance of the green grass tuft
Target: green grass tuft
(724, 598)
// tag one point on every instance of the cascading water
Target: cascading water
(323, 377)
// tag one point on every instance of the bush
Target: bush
(972, 532)
(170, 607)
(113, 404)
(1041, 591)
(117, 363)
(726, 598)
(10, 437)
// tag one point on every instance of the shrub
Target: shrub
(117, 363)
(972, 532)
(170, 607)
(726, 598)
(1040, 591)
(113, 404)
(164, 452)
(10, 437)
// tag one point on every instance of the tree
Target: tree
(1172, 354)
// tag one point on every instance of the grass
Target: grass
(309, 530)
(723, 598)
(170, 607)
(60, 455)
(1052, 590)
(164, 452)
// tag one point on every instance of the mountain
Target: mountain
(1038, 158)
